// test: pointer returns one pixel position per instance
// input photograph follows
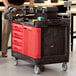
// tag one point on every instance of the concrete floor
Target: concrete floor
(7, 68)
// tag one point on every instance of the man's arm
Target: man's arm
(6, 3)
(31, 2)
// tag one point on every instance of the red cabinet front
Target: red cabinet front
(27, 40)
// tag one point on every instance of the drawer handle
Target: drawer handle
(18, 33)
(17, 40)
(27, 29)
(17, 47)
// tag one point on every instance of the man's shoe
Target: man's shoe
(4, 55)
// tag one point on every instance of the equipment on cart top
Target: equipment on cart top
(29, 13)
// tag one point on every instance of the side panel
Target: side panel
(32, 42)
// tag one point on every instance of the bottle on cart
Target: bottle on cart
(41, 18)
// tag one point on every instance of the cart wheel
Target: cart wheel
(42, 68)
(64, 67)
(16, 62)
(36, 69)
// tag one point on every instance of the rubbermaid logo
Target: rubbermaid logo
(51, 45)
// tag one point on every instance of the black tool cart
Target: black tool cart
(42, 38)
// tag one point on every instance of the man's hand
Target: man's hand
(31, 4)
(11, 9)
(9, 12)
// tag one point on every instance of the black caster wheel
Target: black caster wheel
(36, 69)
(64, 67)
(42, 68)
(16, 62)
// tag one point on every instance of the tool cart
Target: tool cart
(44, 40)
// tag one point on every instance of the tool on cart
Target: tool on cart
(32, 13)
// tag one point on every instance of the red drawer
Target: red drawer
(17, 48)
(17, 41)
(17, 27)
(17, 34)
